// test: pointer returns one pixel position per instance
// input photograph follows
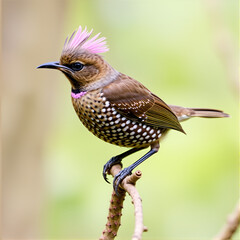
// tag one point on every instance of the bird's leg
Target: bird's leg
(117, 160)
(127, 171)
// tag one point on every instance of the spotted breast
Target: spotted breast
(101, 118)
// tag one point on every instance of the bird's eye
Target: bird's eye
(77, 66)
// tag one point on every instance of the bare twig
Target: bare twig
(116, 205)
(114, 216)
(231, 226)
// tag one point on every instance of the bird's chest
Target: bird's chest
(102, 119)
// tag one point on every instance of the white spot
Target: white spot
(149, 140)
(144, 141)
(147, 137)
(154, 135)
(106, 124)
(99, 116)
(117, 121)
(104, 110)
(128, 121)
(139, 130)
(132, 133)
(114, 112)
(126, 128)
(93, 110)
(118, 116)
(111, 123)
(159, 135)
(148, 128)
(107, 103)
(110, 118)
(151, 131)
(158, 131)
(109, 109)
(144, 134)
(134, 127)
(123, 124)
(138, 136)
(123, 119)
(104, 99)
(119, 129)
(141, 138)
(144, 126)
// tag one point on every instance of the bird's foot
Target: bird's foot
(119, 178)
(106, 168)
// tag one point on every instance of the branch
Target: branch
(116, 205)
(231, 226)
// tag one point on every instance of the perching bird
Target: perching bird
(115, 107)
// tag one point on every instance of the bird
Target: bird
(115, 107)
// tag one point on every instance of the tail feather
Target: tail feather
(186, 113)
(207, 113)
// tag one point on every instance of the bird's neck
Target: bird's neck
(77, 93)
(105, 79)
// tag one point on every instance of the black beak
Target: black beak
(53, 65)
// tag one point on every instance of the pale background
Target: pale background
(185, 52)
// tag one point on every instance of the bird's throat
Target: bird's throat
(77, 93)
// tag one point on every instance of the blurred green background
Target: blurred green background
(185, 52)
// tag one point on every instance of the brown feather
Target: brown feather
(186, 113)
(208, 113)
(137, 103)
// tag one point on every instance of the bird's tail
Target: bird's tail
(186, 113)
(207, 113)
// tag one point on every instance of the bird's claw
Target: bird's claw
(119, 178)
(106, 168)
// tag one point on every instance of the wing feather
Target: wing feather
(136, 102)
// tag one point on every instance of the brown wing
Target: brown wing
(137, 103)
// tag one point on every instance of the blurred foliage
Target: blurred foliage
(191, 185)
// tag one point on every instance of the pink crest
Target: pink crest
(81, 39)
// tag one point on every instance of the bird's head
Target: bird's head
(81, 63)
